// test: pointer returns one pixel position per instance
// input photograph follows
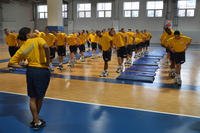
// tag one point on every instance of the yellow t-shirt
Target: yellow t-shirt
(82, 38)
(20, 43)
(50, 39)
(140, 36)
(118, 40)
(11, 39)
(130, 38)
(60, 39)
(105, 42)
(33, 51)
(179, 45)
(148, 35)
(137, 41)
(72, 40)
(93, 38)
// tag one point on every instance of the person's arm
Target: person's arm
(47, 53)
(20, 55)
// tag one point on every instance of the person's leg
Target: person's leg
(39, 104)
(34, 110)
(105, 66)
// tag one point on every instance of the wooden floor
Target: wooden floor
(160, 96)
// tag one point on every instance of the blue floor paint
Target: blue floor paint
(4, 60)
(115, 81)
(72, 117)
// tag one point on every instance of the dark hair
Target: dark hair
(177, 32)
(23, 33)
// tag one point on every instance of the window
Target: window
(154, 8)
(131, 9)
(104, 10)
(42, 11)
(186, 8)
(64, 10)
(84, 10)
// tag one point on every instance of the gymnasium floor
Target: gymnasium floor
(81, 102)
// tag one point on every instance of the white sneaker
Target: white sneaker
(104, 74)
(119, 70)
(82, 59)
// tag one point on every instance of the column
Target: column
(55, 19)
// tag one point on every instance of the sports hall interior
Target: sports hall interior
(78, 100)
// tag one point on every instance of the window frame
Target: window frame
(45, 13)
(84, 11)
(104, 11)
(154, 9)
(186, 9)
(131, 10)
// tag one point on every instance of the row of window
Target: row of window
(186, 8)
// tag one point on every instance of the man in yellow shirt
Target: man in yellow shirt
(72, 42)
(178, 45)
(106, 44)
(36, 51)
(11, 41)
(50, 40)
(119, 43)
(61, 47)
(81, 45)
(167, 34)
(129, 46)
(93, 38)
(148, 38)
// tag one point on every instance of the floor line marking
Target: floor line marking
(107, 105)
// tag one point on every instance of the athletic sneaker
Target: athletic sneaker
(172, 74)
(37, 126)
(119, 70)
(178, 80)
(60, 67)
(32, 122)
(82, 59)
(104, 74)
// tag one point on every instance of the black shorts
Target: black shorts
(88, 43)
(94, 46)
(121, 52)
(73, 49)
(148, 43)
(12, 50)
(134, 47)
(167, 50)
(37, 81)
(179, 58)
(107, 55)
(52, 52)
(137, 46)
(129, 49)
(82, 47)
(61, 51)
(99, 46)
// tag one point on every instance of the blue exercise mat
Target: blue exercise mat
(138, 73)
(55, 62)
(136, 78)
(141, 62)
(149, 58)
(4, 60)
(142, 68)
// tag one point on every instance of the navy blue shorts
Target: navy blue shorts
(37, 81)
(61, 51)
(107, 55)
(121, 52)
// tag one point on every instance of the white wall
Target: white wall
(17, 15)
(189, 26)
